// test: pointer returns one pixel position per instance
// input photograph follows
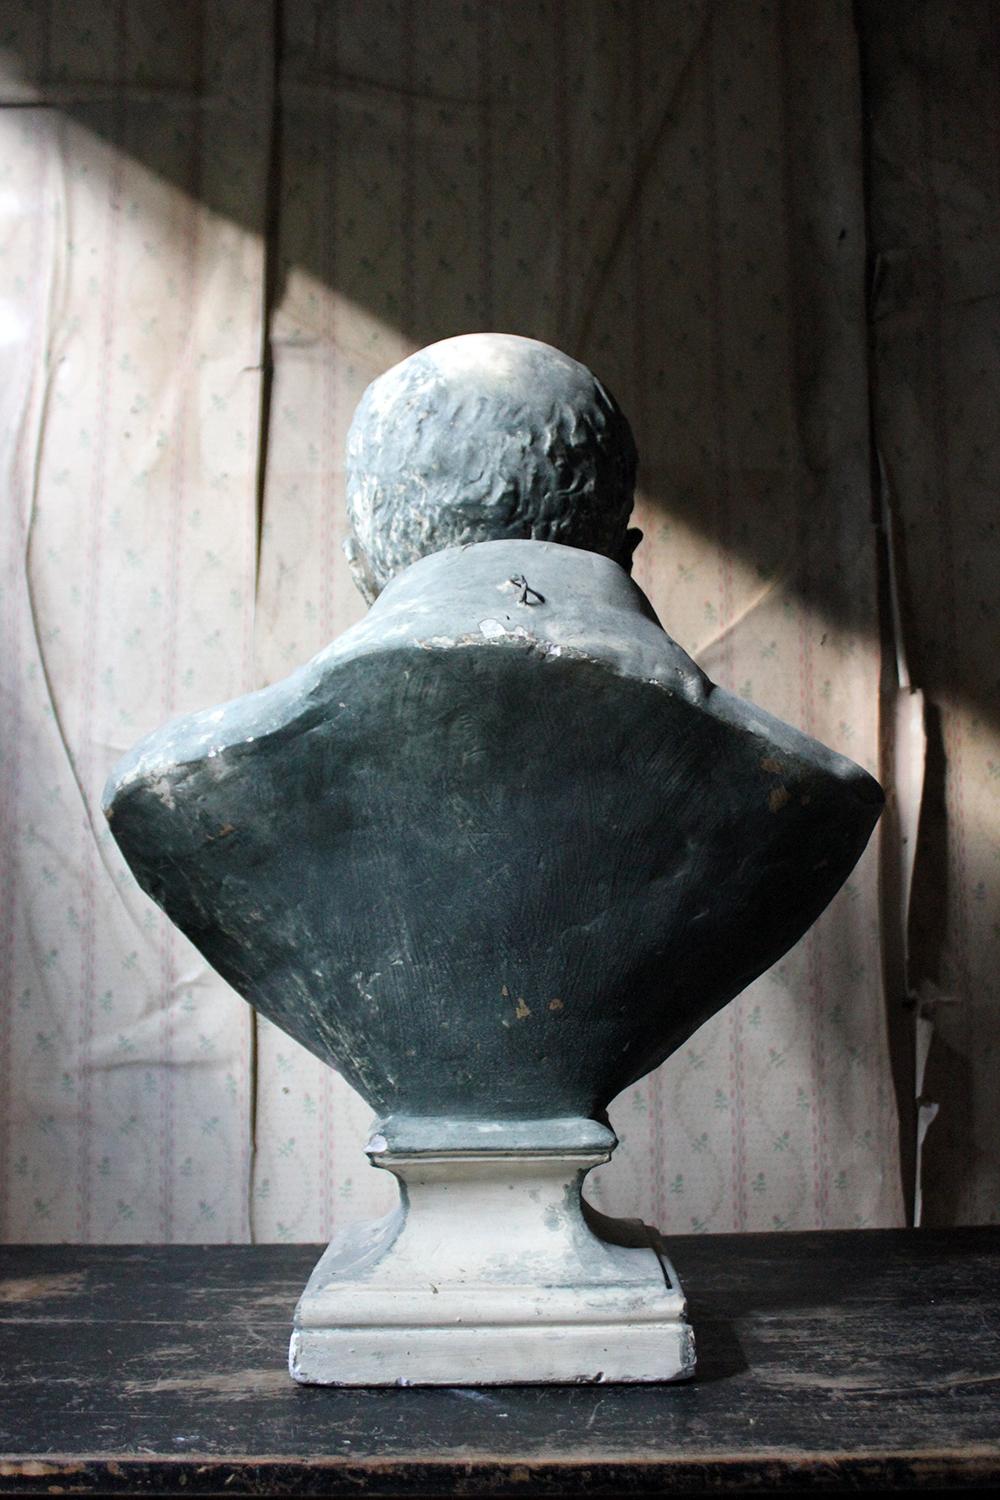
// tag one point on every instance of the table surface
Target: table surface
(861, 1360)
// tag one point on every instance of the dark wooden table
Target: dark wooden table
(860, 1361)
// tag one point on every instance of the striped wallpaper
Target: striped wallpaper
(209, 244)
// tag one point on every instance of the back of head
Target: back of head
(483, 437)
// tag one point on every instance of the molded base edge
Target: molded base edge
(482, 1355)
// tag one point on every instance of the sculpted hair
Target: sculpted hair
(484, 437)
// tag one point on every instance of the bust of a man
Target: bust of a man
(500, 847)
(493, 854)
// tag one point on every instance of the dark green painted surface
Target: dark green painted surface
(490, 857)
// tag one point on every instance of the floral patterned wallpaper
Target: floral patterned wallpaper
(211, 239)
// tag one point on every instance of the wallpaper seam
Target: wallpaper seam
(270, 270)
(894, 679)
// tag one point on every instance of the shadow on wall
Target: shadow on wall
(645, 186)
(673, 195)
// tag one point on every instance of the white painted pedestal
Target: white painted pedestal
(492, 1270)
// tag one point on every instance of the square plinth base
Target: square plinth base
(492, 1270)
